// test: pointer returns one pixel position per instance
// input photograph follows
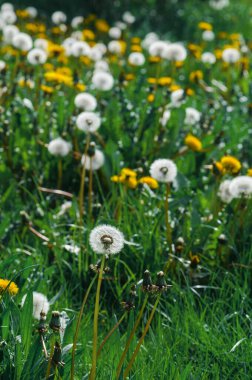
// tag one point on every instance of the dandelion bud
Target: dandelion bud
(147, 282)
(222, 239)
(179, 245)
(161, 283)
(195, 260)
(42, 327)
(55, 321)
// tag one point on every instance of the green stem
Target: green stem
(48, 370)
(141, 340)
(110, 333)
(95, 328)
(82, 185)
(78, 325)
(90, 186)
(168, 226)
(59, 173)
(122, 359)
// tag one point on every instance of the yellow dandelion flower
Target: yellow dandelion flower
(152, 80)
(164, 81)
(80, 87)
(193, 143)
(151, 182)
(22, 13)
(230, 164)
(88, 34)
(153, 59)
(53, 76)
(249, 172)
(46, 89)
(151, 98)
(190, 92)
(218, 168)
(128, 172)
(131, 182)
(136, 48)
(205, 25)
(195, 76)
(102, 25)
(9, 286)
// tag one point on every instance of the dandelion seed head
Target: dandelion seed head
(106, 239)
(163, 170)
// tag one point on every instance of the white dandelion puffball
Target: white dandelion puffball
(208, 58)
(41, 43)
(231, 55)
(192, 116)
(9, 32)
(177, 98)
(115, 47)
(85, 101)
(224, 193)
(33, 12)
(36, 56)
(7, 7)
(22, 41)
(158, 48)
(9, 17)
(101, 66)
(105, 239)
(77, 21)
(208, 35)
(94, 162)
(149, 39)
(174, 52)
(95, 54)
(59, 17)
(88, 122)
(163, 170)
(136, 59)
(115, 33)
(103, 81)
(28, 104)
(40, 303)
(241, 186)
(59, 147)
(80, 48)
(219, 4)
(128, 18)
(2, 65)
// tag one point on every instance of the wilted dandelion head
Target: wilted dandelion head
(88, 122)
(106, 239)
(163, 170)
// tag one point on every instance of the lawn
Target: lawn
(126, 190)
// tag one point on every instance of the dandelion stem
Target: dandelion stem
(43, 346)
(82, 185)
(110, 333)
(147, 326)
(168, 226)
(48, 370)
(95, 328)
(90, 186)
(78, 325)
(119, 367)
(59, 183)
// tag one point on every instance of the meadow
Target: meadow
(125, 191)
